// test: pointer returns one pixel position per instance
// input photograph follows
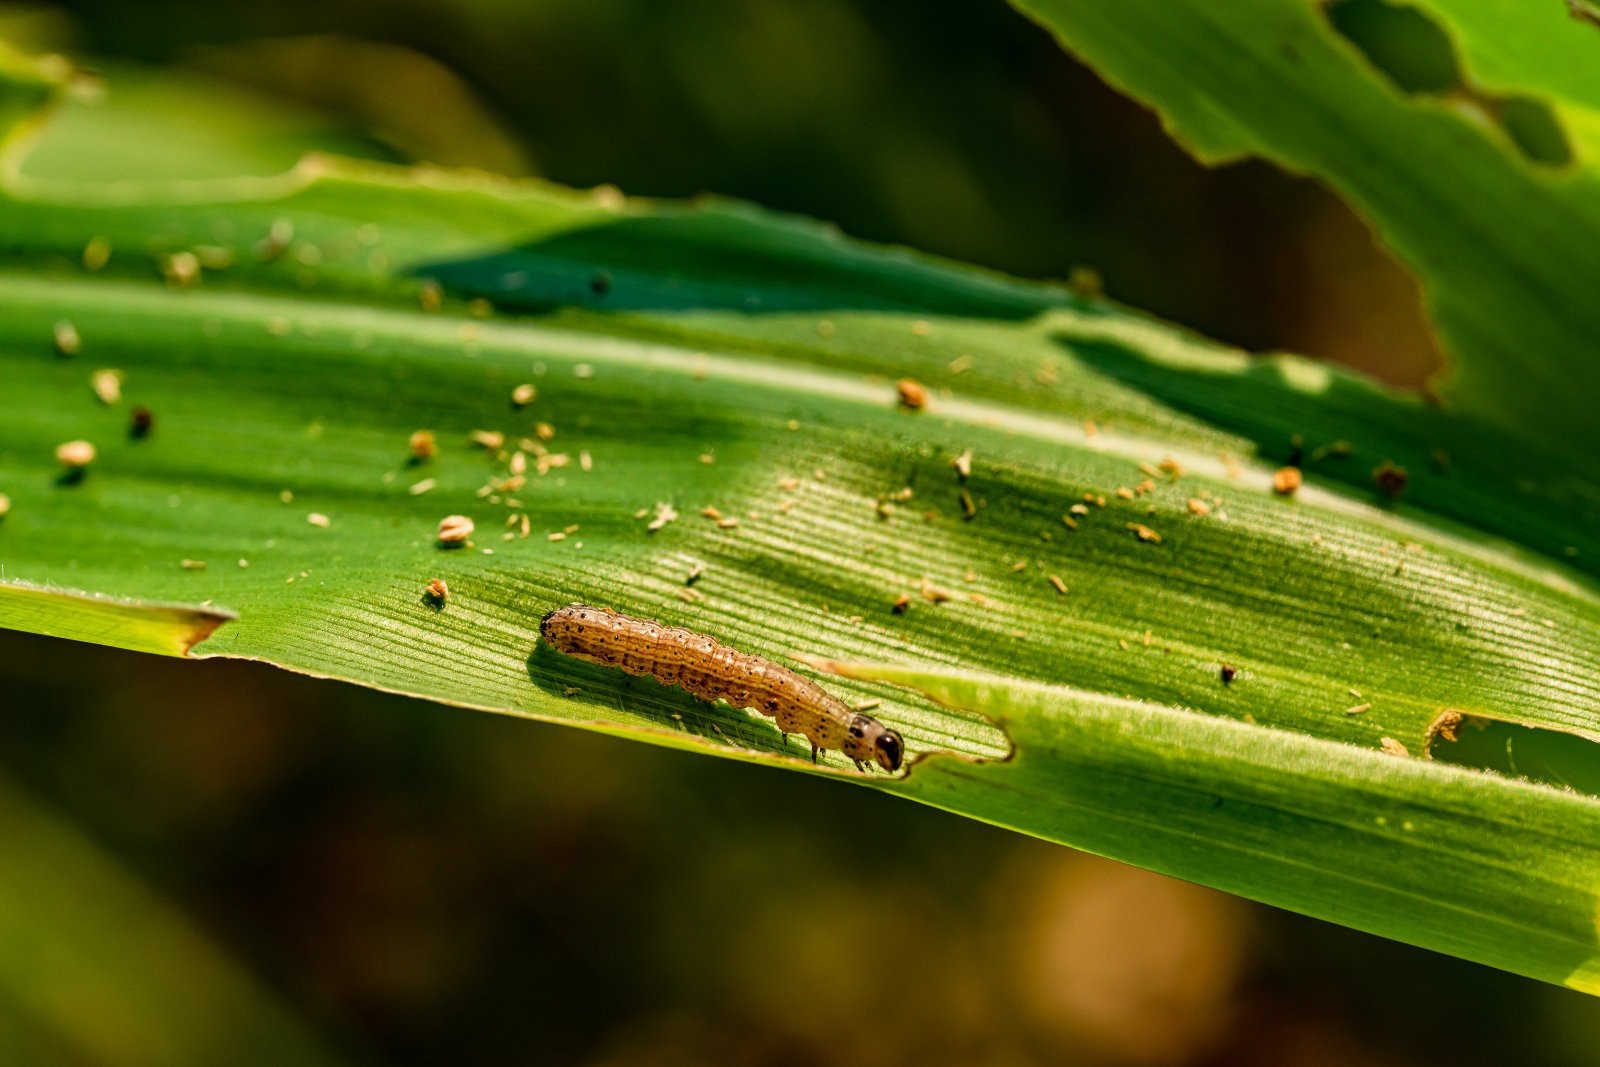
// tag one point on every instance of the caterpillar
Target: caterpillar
(711, 670)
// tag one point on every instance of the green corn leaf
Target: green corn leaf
(1116, 634)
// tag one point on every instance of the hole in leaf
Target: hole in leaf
(1418, 56)
(1551, 757)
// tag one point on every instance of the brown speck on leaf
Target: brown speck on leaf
(1171, 468)
(192, 564)
(140, 422)
(1055, 580)
(437, 592)
(963, 465)
(1446, 725)
(1079, 509)
(543, 431)
(1144, 533)
(665, 513)
(557, 535)
(488, 440)
(1198, 506)
(709, 512)
(1069, 522)
(902, 604)
(181, 269)
(913, 394)
(1228, 674)
(968, 508)
(1391, 747)
(523, 394)
(66, 339)
(1286, 480)
(694, 573)
(728, 522)
(454, 530)
(518, 464)
(317, 518)
(423, 445)
(1124, 492)
(75, 454)
(107, 386)
(430, 296)
(1390, 478)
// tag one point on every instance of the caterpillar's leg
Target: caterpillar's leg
(813, 752)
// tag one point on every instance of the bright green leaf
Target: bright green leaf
(716, 357)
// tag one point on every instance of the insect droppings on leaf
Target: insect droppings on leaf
(1285, 480)
(1228, 674)
(75, 455)
(437, 592)
(454, 531)
(66, 339)
(523, 395)
(665, 513)
(140, 422)
(1390, 478)
(1391, 747)
(107, 386)
(423, 445)
(318, 519)
(1446, 725)
(913, 394)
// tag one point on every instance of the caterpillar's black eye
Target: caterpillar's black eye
(890, 750)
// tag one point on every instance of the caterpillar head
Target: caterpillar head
(869, 739)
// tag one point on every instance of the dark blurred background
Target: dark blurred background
(421, 884)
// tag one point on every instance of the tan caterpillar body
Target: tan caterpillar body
(711, 670)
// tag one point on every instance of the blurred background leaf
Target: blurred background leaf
(1487, 189)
